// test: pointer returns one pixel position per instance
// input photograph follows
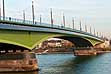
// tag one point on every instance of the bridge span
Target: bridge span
(20, 33)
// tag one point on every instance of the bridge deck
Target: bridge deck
(27, 34)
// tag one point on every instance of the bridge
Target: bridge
(23, 34)
(19, 36)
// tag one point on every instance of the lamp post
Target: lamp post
(80, 26)
(3, 10)
(0, 11)
(51, 17)
(40, 19)
(90, 30)
(73, 22)
(33, 15)
(24, 16)
(94, 32)
(97, 33)
(85, 28)
(64, 20)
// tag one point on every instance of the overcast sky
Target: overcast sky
(95, 13)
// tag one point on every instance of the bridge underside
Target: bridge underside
(29, 40)
(23, 39)
(77, 41)
(5, 46)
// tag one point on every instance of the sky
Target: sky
(94, 13)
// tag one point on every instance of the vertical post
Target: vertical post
(51, 17)
(24, 16)
(100, 34)
(94, 32)
(33, 15)
(40, 19)
(90, 30)
(69, 25)
(80, 26)
(3, 10)
(97, 33)
(64, 20)
(73, 23)
(85, 28)
(0, 12)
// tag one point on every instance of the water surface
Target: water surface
(69, 64)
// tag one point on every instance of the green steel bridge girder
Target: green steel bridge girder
(93, 41)
(28, 39)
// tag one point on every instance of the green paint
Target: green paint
(25, 39)
(30, 39)
(93, 41)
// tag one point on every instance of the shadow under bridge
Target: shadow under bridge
(77, 41)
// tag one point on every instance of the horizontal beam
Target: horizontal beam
(47, 29)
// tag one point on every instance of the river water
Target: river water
(70, 64)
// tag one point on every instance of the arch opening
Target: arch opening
(78, 42)
(7, 47)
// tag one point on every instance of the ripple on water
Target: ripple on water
(69, 64)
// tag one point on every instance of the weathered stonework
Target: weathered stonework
(27, 62)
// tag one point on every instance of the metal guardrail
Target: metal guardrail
(27, 22)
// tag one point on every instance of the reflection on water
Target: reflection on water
(64, 64)
(69, 64)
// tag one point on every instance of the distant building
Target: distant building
(55, 46)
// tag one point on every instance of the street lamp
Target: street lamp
(40, 19)
(33, 15)
(94, 32)
(85, 28)
(90, 30)
(51, 17)
(80, 26)
(24, 16)
(3, 10)
(64, 20)
(73, 22)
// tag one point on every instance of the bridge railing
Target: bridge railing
(27, 22)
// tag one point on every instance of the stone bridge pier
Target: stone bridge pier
(105, 44)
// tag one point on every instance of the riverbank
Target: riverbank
(55, 53)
